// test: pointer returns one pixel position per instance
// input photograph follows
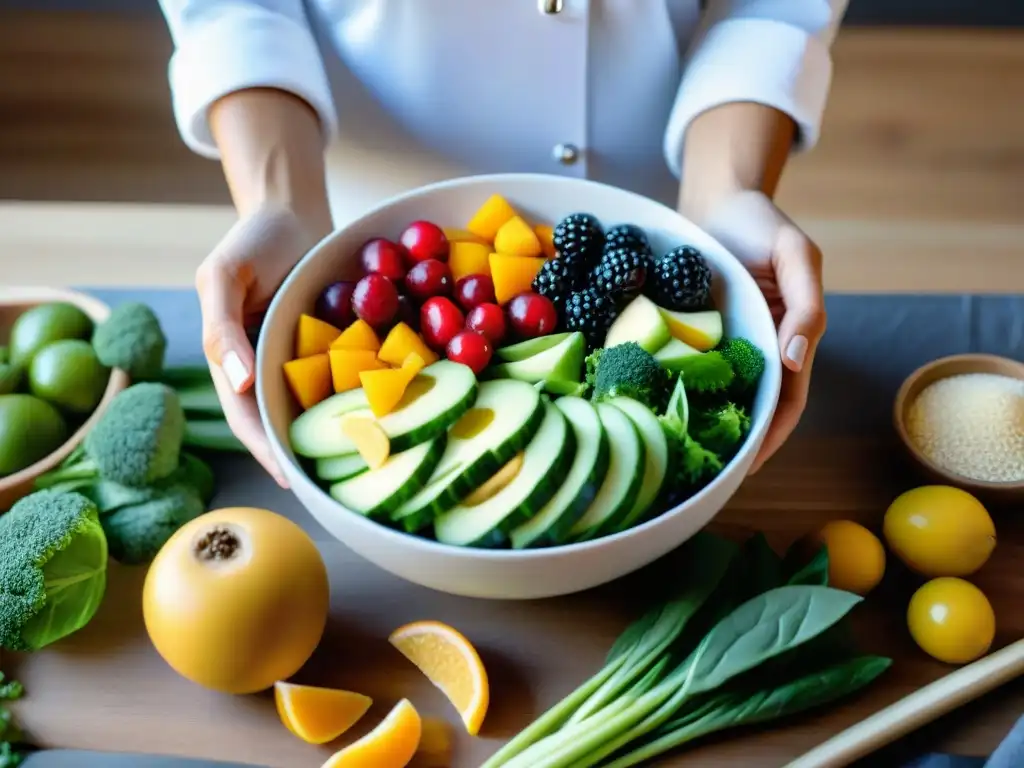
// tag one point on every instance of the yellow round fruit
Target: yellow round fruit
(951, 620)
(237, 599)
(938, 530)
(856, 557)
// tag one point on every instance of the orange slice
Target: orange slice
(392, 744)
(318, 715)
(451, 663)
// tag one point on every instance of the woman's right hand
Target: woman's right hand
(235, 284)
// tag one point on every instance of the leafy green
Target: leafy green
(628, 370)
(691, 465)
(814, 572)
(53, 568)
(737, 646)
(212, 435)
(12, 745)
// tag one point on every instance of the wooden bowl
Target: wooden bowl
(942, 368)
(14, 301)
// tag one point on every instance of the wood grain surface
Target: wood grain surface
(106, 688)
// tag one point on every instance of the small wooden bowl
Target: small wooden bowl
(942, 368)
(14, 301)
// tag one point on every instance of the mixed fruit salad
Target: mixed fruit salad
(513, 384)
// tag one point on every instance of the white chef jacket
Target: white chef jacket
(414, 91)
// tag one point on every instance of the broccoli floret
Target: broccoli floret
(53, 569)
(628, 370)
(136, 442)
(131, 339)
(706, 373)
(136, 532)
(747, 362)
(590, 373)
(721, 428)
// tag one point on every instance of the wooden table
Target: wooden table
(106, 688)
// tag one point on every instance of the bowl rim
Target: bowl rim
(97, 311)
(774, 365)
(902, 401)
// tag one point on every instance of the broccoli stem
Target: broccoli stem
(212, 435)
(85, 469)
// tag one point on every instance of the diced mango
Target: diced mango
(313, 336)
(465, 258)
(359, 335)
(309, 379)
(490, 216)
(414, 363)
(370, 439)
(385, 388)
(517, 238)
(463, 236)
(400, 343)
(513, 274)
(546, 235)
(347, 364)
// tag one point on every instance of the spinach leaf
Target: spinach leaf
(814, 572)
(763, 628)
(739, 708)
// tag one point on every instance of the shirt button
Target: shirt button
(566, 154)
(550, 7)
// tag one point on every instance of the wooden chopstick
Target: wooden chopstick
(911, 712)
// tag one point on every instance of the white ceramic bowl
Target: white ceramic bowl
(503, 574)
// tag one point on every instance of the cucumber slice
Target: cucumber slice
(338, 468)
(655, 457)
(435, 400)
(551, 525)
(545, 461)
(621, 486)
(376, 493)
(468, 461)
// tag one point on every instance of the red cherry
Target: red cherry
(532, 314)
(384, 256)
(423, 240)
(375, 300)
(334, 304)
(440, 320)
(487, 319)
(428, 278)
(470, 348)
(473, 290)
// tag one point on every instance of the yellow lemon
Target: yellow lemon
(856, 557)
(951, 620)
(939, 530)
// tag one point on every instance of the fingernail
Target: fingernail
(235, 370)
(797, 350)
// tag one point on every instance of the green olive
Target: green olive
(68, 374)
(37, 327)
(30, 429)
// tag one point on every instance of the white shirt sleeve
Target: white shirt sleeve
(771, 52)
(222, 46)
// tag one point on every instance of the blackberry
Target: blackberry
(626, 236)
(621, 273)
(680, 280)
(591, 314)
(579, 239)
(558, 278)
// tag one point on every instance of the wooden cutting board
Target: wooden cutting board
(105, 688)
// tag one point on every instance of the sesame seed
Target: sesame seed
(972, 424)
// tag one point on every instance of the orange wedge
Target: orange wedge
(318, 715)
(392, 744)
(451, 663)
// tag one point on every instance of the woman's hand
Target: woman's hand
(235, 284)
(787, 267)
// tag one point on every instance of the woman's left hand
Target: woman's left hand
(787, 266)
